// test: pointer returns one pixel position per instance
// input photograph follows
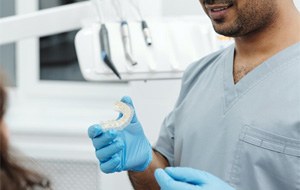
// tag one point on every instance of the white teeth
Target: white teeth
(219, 9)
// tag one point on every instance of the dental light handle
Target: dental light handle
(146, 32)
(105, 50)
(127, 43)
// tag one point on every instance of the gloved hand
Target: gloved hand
(122, 150)
(176, 178)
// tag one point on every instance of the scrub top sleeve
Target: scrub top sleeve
(165, 142)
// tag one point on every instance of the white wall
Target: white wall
(297, 3)
(181, 7)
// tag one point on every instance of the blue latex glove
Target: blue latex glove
(122, 150)
(188, 179)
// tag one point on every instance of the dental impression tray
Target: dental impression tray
(127, 114)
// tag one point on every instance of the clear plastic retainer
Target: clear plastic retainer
(127, 113)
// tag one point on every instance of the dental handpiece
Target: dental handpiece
(146, 32)
(127, 43)
(105, 50)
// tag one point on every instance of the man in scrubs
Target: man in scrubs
(236, 124)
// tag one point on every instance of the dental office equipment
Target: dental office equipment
(127, 44)
(145, 28)
(104, 42)
(126, 112)
(105, 50)
(146, 32)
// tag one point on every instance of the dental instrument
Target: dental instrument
(145, 28)
(146, 32)
(127, 113)
(104, 42)
(126, 38)
(127, 42)
(105, 50)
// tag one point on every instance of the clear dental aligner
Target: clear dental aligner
(127, 114)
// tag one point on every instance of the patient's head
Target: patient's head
(3, 132)
(13, 176)
(2, 99)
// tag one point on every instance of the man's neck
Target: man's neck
(255, 48)
(283, 33)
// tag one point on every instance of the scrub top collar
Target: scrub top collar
(233, 92)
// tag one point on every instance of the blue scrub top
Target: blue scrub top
(248, 133)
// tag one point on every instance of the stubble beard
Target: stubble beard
(252, 18)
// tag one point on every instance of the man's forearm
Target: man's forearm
(146, 180)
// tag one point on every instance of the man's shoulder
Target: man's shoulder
(202, 64)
